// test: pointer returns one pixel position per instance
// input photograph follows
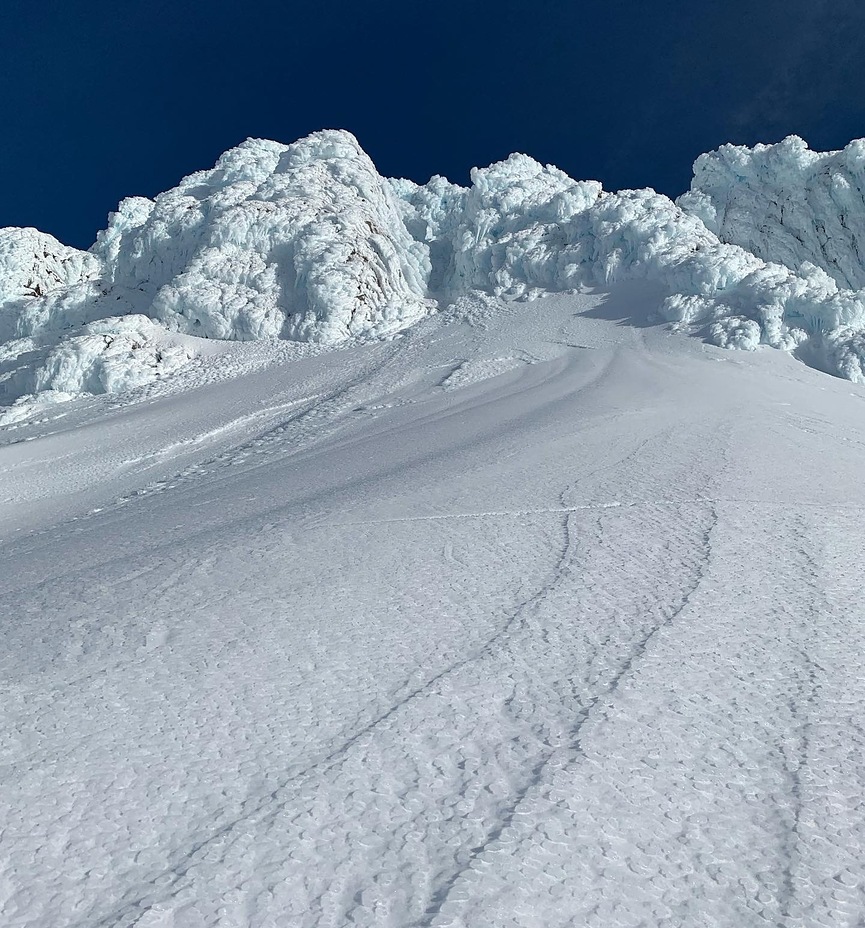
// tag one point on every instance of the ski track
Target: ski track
(572, 753)
(629, 696)
(274, 802)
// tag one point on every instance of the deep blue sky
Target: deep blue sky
(102, 99)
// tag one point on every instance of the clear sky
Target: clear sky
(103, 99)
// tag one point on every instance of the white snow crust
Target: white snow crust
(307, 242)
(520, 619)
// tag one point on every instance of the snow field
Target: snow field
(571, 642)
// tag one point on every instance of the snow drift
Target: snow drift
(307, 242)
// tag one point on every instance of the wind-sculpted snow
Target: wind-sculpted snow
(523, 229)
(787, 204)
(33, 263)
(521, 619)
(107, 356)
(301, 241)
(307, 242)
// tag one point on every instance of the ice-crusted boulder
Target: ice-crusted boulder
(109, 356)
(787, 204)
(300, 241)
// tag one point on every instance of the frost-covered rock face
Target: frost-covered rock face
(787, 204)
(109, 356)
(301, 241)
(524, 229)
(33, 263)
(307, 242)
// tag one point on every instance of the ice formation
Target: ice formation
(787, 204)
(33, 264)
(299, 241)
(307, 242)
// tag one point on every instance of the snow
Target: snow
(523, 616)
(401, 562)
(298, 241)
(786, 204)
(523, 230)
(113, 355)
(33, 263)
(307, 242)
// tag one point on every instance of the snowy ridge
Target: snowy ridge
(307, 242)
(524, 229)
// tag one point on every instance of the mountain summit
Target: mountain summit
(307, 242)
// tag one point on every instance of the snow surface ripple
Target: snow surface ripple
(356, 641)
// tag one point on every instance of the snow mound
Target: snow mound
(108, 356)
(301, 241)
(308, 242)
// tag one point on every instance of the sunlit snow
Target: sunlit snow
(535, 615)
(418, 556)
(307, 242)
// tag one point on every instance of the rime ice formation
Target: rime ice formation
(787, 204)
(33, 263)
(307, 242)
(298, 241)
(106, 356)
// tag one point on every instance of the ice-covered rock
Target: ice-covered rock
(523, 229)
(307, 242)
(109, 356)
(33, 264)
(301, 241)
(787, 204)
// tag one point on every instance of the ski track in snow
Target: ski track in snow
(572, 640)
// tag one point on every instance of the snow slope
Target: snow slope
(306, 242)
(530, 615)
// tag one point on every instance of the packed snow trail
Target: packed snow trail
(523, 618)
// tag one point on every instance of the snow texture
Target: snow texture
(787, 204)
(519, 619)
(33, 263)
(307, 242)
